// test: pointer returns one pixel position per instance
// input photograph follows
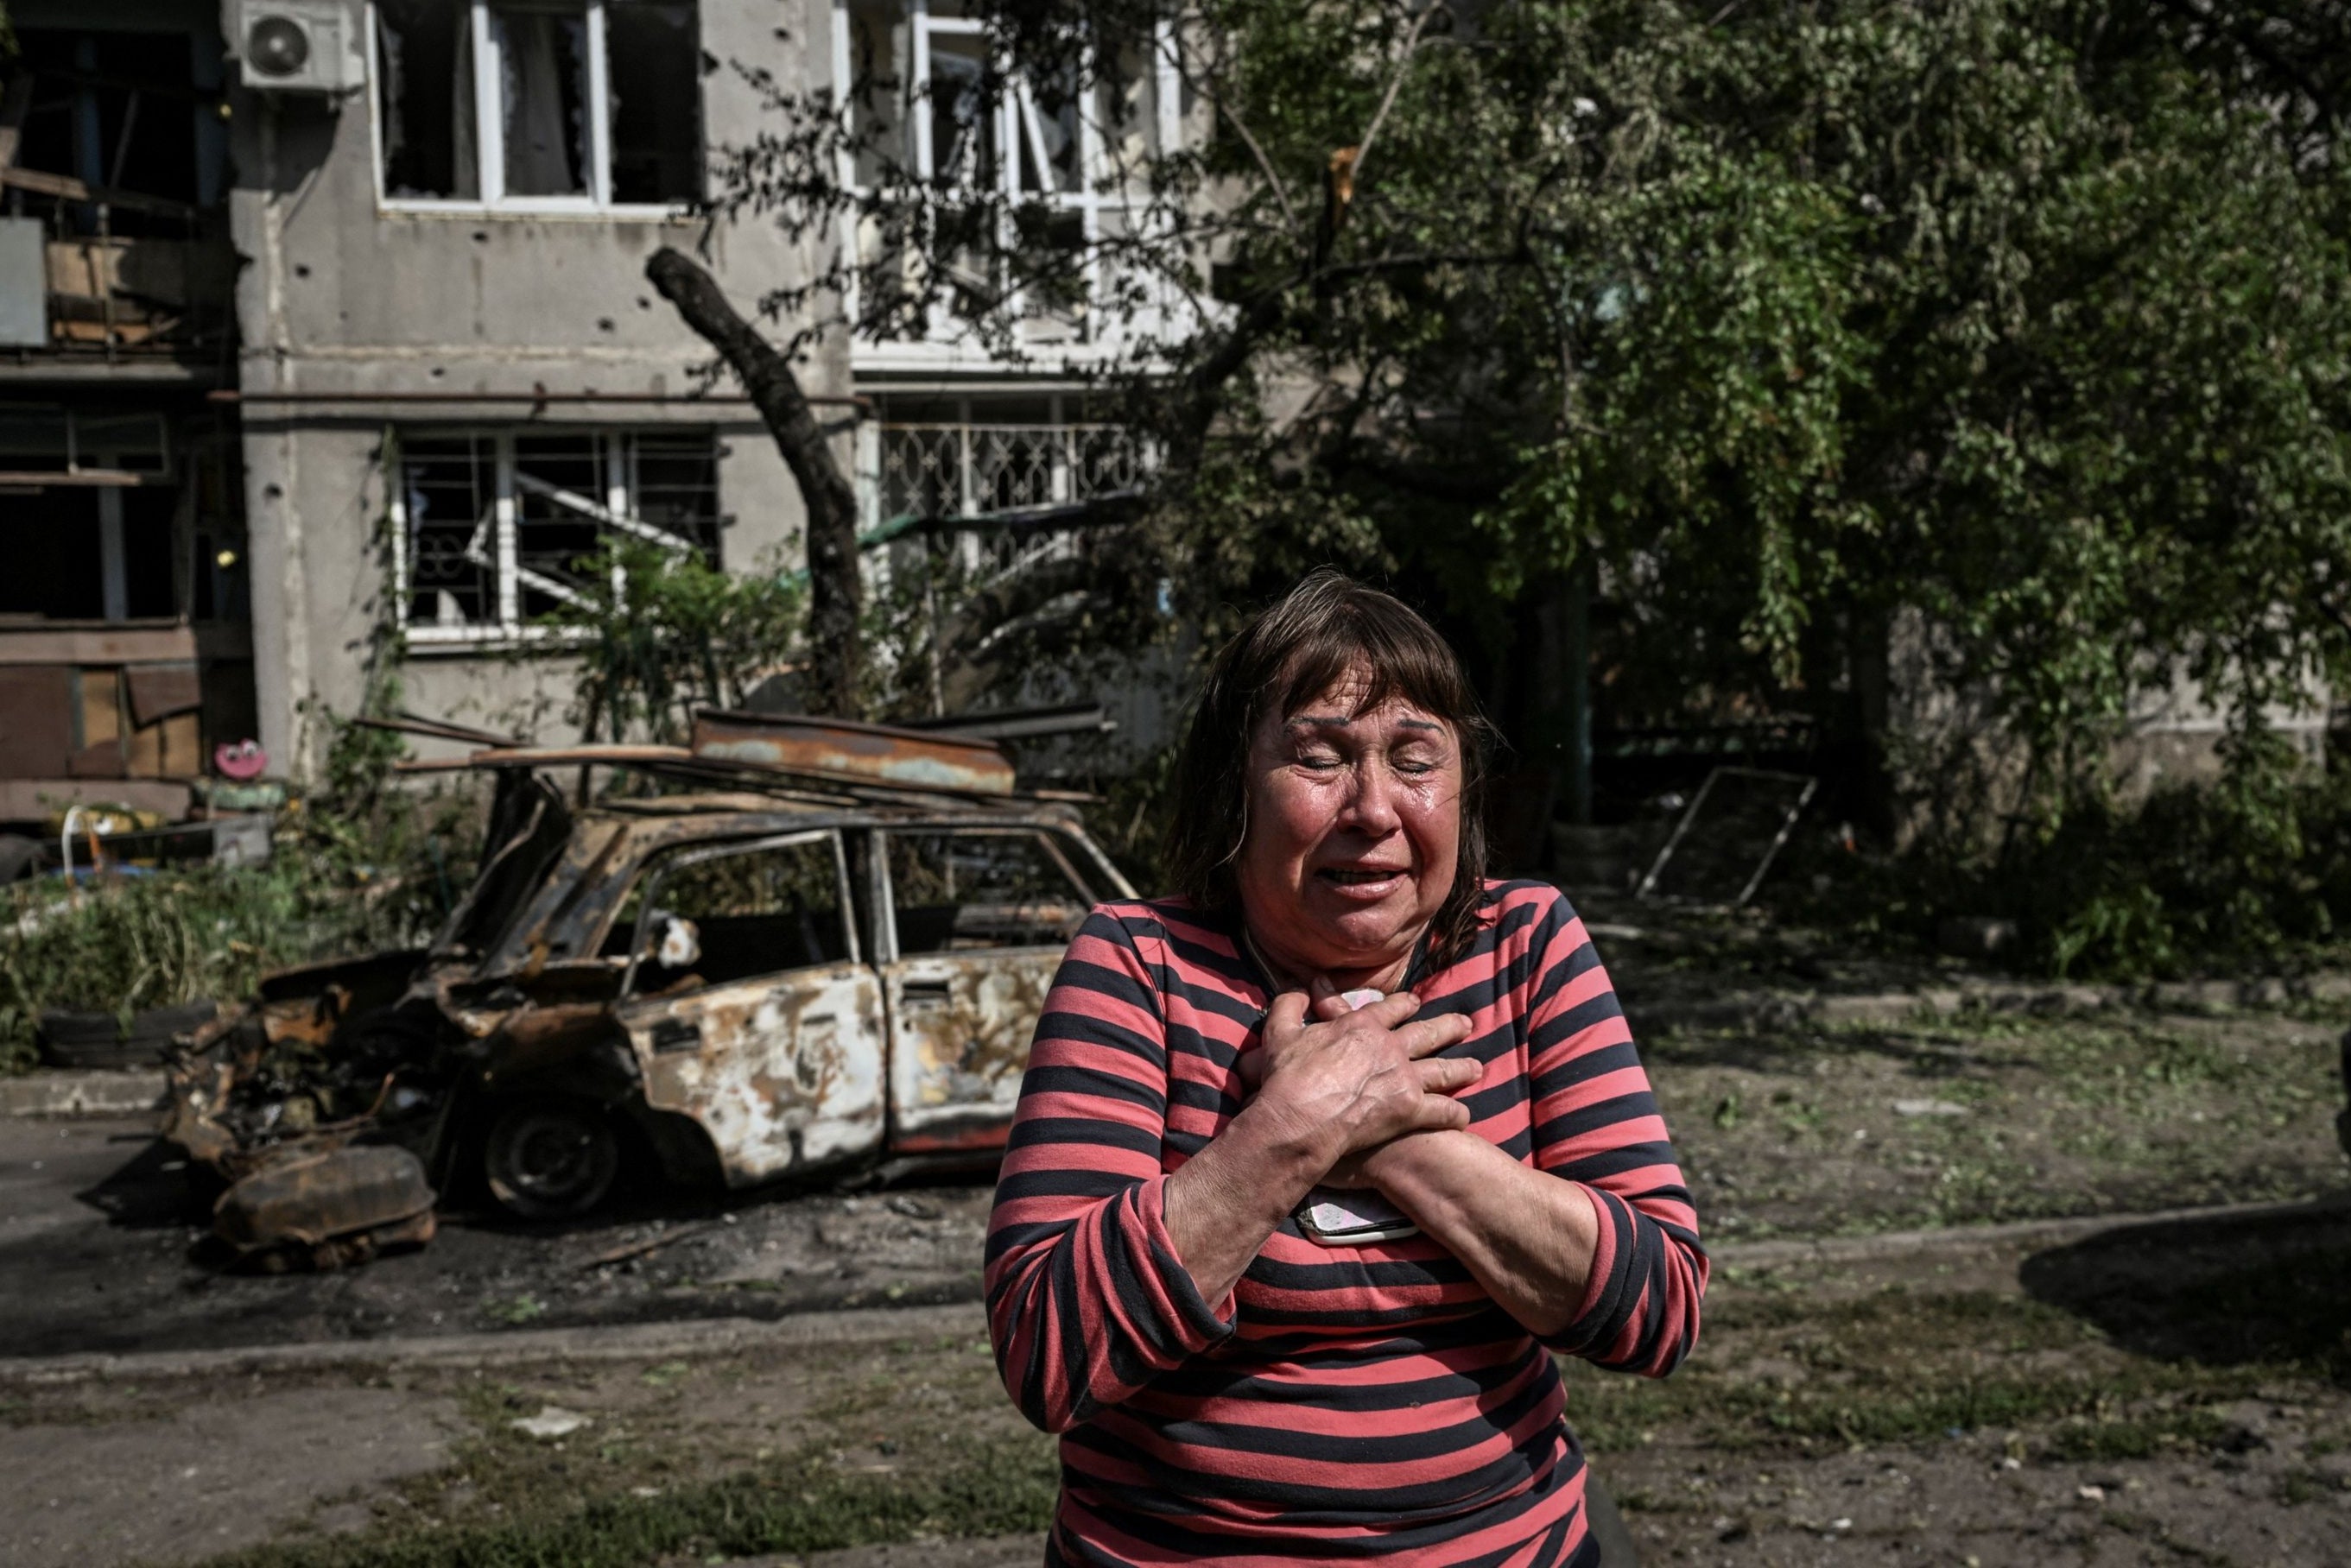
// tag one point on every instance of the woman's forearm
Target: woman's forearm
(1527, 1236)
(1232, 1195)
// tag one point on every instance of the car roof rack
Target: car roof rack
(825, 761)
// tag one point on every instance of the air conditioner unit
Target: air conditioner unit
(295, 46)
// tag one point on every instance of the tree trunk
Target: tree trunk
(835, 590)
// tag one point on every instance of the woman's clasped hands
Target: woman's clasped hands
(1347, 1081)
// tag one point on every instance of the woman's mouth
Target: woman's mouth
(1360, 879)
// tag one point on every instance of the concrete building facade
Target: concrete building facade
(361, 353)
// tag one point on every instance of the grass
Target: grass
(2041, 1117)
(799, 1504)
(1896, 1368)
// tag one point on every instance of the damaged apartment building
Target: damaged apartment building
(323, 319)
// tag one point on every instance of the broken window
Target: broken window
(97, 542)
(493, 528)
(544, 104)
(134, 112)
(719, 917)
(952, 891)
(424, 98)
(933, 106)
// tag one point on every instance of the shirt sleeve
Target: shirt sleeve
(1597, 1123)
(1087, 1297)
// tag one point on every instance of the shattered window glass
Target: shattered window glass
(488, 101)
(558, 479)
(424, 98)
(656, 108)
(736, 916)
(500, 530)
(955, 890)
(447, 485)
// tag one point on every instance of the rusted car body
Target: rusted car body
(785, 968)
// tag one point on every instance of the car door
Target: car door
(748, 1011)
(978, 917)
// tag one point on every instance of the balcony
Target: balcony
(73, 290)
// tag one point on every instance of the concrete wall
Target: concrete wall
(343, 295)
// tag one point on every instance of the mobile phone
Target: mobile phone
(1352, 1218)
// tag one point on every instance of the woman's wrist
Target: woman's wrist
(1410, 1166)
(1288, 1151)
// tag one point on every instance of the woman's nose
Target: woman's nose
(1372, 806)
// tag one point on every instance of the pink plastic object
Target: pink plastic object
(243, 761)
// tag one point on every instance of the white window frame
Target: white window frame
(1017, 125)
(496, 545)
(489, 133)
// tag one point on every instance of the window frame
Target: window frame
(1015, 131)
(489, 132)
(672, 865)
(506, 571)
(886, 889)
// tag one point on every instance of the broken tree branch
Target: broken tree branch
(774, 388)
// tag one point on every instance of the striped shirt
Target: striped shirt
(1343, 1402)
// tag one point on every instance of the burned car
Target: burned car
(820, 948)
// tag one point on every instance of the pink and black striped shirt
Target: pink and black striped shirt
(1343, 1402)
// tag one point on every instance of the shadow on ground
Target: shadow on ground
(2276, 1289)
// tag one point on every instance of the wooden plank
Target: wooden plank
(67, 189)
(36, 715)
(96, 644)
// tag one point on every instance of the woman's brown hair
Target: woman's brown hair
(1324, 629)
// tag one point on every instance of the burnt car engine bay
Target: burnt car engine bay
(822, 954)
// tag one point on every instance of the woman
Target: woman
(1315, 1165)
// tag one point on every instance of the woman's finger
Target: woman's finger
(1325, 1002)
(1392, 1009)
(1431, 1035)
(1287, 1015)
(1447, 1074)
(1249, 1067)
(1438, 1113)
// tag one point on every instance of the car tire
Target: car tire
(551, 1159)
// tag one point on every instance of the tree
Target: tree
(1779, 326)
(833, 682)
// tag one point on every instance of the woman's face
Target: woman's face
(1354, 829)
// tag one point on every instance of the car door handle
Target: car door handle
(924, 993)
(677, 1035)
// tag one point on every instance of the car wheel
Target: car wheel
(550, 1161)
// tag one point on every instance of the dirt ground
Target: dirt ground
(2175, 1395)
(1823, 1131)
(102, 1249)
(2170, 1394)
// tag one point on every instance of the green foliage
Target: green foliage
(660, 632)
(357, 868)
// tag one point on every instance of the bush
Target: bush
(358, 868)
(2251, 872)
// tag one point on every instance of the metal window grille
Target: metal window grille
(489, 529)
(967, 469)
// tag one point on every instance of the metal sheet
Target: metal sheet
(783, 1071)
(960, 1028)
(876, 753)
(24, 286)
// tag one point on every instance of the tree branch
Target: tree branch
(1396, 82)
(825, 491)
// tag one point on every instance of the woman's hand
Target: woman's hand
(1352, 1080)
(1330, 1084)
